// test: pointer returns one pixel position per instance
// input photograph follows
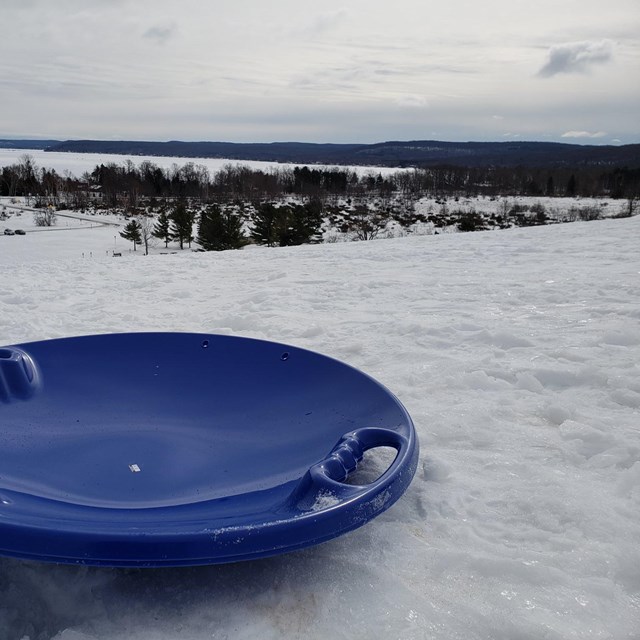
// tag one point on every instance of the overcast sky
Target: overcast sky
(332, 71)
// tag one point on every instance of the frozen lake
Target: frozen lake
(79, 163)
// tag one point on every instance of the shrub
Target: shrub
(518, 208)
(470, 220)
(589, 213)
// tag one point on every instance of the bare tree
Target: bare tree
(45, 217)
(365, 223)
(146, 226)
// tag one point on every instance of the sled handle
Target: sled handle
(330, 473)
(348, 453)
(19, 377)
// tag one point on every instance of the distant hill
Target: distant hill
(393, 153)
(27, 144)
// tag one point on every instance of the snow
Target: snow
(79, 163)
(516, 353)
(324, 500)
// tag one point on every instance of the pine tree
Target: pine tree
(220, 229)
(132, 232)
(309, 222)
(287, 225)
(266, 219)
(299, 224)
(550, 191)
(182, 224)
(161, 229)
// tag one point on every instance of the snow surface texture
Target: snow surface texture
(517, 354)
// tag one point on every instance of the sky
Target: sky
(359, 71)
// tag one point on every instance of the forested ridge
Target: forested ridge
(391, 153)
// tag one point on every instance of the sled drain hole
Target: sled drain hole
(373, 464)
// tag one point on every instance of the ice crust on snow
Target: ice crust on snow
(517, 353)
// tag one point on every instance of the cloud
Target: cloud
(161, 34)
(576, 57)
(412, 101)
(584, 134)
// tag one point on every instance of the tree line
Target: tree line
(128, 186)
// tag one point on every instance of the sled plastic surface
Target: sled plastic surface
(168, 449)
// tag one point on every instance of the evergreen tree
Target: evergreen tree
(471, 221)
(182, 224)
(132, 232)
(162, 228)
(220, 229)
(550, 191)
(266, 219)
(299, 224)
(287, 225)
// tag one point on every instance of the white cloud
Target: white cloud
(412, 101)
(576, 57)
(584, 134)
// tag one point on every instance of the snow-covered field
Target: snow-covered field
(516, 352)
(79, 163)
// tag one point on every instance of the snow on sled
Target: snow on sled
(167, 449)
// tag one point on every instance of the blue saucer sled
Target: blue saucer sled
(170, 449)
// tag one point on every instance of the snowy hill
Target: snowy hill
(516, 353)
